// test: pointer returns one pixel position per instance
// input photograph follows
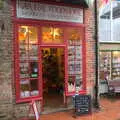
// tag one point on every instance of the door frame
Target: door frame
(39, 25)
(65, 64)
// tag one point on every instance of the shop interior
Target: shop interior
(53, 77)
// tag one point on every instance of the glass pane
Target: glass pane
(33, 52)
(77, 67)
(74, 59)
(52, 35)
(78, 51)
(23, 52)
(23, 35)
(25, 88)
(78, 81)
(27, 34)
(74, 36)
(105, 61)
(116, 65)
(71, 84)
(24, 70)
(34, 87)
(33, 35)
(34, 69)
(71, 67)
(27, 37)
(71, 53)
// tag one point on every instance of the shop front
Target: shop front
(50, 54)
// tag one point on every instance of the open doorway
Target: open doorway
(53, 72)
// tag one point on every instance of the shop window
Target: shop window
(28, 34)
(34, 87)
(24, 69)
(74, 60)
(115, 65)
(34, 69)
(28, 61)
(33, 52)
(28, 88)
(52, 35)
(105, 63)
(25, 88)
(109, 65)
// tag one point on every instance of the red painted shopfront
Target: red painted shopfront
(50, 51)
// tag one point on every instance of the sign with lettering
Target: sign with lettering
(34, 107)
(39, 11)
(36, 111)
(82, 104)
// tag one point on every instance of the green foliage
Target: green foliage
(1, 4)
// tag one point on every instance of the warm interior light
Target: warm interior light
(116, 52)
(23, 30)
(56, 32)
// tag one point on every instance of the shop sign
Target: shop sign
(33, 107)
(82, 104)
(36, 10)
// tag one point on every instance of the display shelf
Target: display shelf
(115, 65)
(74, 65)
(28, 65)
(105, 65)
(109, 65)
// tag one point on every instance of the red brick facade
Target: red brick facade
(6, 61)
(8, 107)
(90, 50)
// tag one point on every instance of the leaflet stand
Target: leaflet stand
(35, 110)
(82, 104)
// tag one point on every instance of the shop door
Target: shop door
(53, 74)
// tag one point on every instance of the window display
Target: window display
(24, 69)
(28, 65)
(48, 57)
(25, 88)
(116, 65)
(34, 87)
(109, 65)
(74, 60)
(105, 64)
(52, 35)
(34, 69)
(33, 52)
(23, 51)
(29, 88)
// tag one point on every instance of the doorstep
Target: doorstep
(55, 110)
(27, 119)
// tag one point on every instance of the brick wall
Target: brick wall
(6, 67)
(8, 107)
(90, 50)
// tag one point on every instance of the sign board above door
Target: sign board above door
(40, 11)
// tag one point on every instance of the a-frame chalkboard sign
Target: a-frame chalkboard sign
(82, 104)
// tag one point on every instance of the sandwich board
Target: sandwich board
(33, 107)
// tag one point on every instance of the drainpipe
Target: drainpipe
(96, 102)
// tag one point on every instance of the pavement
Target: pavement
(109, 110)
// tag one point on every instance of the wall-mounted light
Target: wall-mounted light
(2, 26)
